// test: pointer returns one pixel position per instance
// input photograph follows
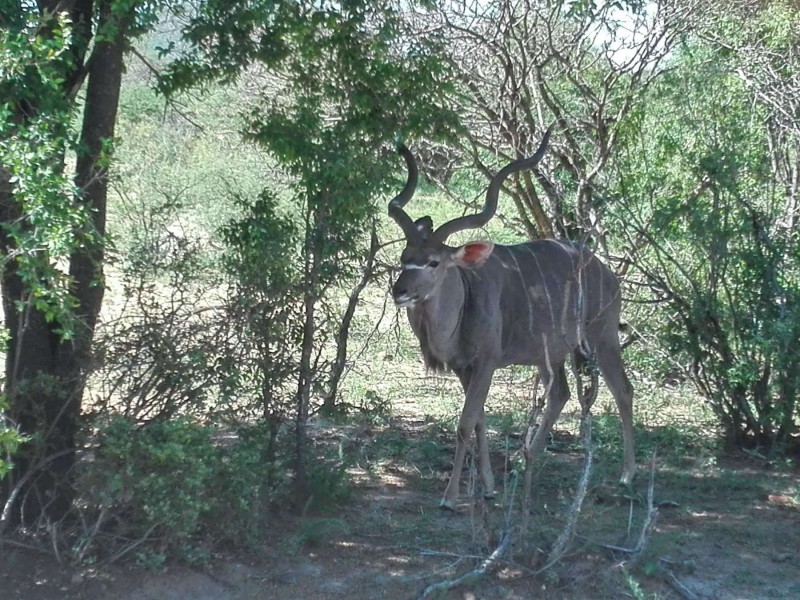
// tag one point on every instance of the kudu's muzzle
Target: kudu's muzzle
(413, 285)
(401, 294)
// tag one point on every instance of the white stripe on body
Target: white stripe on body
(544, 284)
(522, 281)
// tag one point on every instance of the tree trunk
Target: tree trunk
(343, 334)
(45, 374)
(312, 261)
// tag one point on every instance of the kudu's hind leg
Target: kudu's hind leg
(476, 383)
(557, 392)
(484, 462)
(586, 366)
(609, 359)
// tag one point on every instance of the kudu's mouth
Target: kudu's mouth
(402, 295)
(405, 301)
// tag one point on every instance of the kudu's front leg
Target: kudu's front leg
(484, 462)
(473, 418)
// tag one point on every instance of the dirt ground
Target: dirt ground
(728, 527)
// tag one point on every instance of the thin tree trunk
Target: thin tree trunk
(305, 375)
(342, 335)
(99, 120)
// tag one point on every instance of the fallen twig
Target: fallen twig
(614, 548)
(16, 544)
(442, 553)
(461, 557)
(132, 546)
(436, 589)
(679, 587)
(442, 569)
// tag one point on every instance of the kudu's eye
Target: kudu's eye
(433, 264)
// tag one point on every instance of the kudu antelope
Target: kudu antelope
(482, 306)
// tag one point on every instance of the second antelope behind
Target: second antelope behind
(481, 306)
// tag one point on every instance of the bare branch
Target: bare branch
(473, 576)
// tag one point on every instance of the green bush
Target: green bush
(173, 486)
(154, 480)
(328, 485)
(10, 439)
(179, 489)
(250, 482)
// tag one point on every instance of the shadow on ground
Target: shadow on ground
(728, 527)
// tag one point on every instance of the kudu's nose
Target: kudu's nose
(399, 291)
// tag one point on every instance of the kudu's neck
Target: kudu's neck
(440, 315)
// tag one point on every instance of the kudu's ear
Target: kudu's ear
(425, 227)
(473, 255)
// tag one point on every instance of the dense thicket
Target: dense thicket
(676, 157)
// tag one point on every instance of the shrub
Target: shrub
(152, 482)
(249, 484)
(179, 489)
(717, 248)
(328, 484)
(10, 439)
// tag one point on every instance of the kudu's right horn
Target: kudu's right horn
(492, 193)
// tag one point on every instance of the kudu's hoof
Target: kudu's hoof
(490, 496)
(625, 485)
(446, 505)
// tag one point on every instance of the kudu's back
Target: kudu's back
(551, 298)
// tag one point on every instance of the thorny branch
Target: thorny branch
(566, 535)
(514, 60)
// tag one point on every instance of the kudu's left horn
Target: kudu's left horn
(398, 202)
